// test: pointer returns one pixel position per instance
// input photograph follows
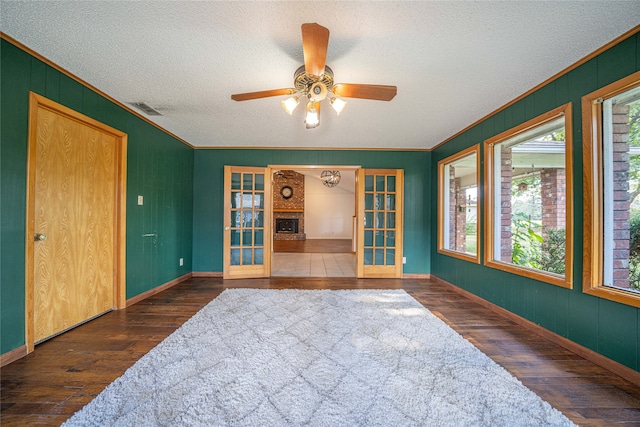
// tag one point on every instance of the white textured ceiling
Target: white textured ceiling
(453, 62)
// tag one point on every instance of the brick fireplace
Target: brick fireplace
(287, 225)
(288, 210)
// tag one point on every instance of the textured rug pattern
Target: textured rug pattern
(318, 358)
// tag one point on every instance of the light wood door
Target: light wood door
(380, 201)
(247, 222)
(74, 215)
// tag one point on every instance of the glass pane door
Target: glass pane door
(247, 224)
(380, 202)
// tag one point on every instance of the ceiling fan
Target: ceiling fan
(313, 82)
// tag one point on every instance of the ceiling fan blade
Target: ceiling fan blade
(377, 92)
(263, 94)
(315, 40)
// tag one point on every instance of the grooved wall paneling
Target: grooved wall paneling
(159, 167)
(607, 327)
(208, 209)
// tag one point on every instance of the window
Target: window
(611, 123)
(458, 204)
(528, 180)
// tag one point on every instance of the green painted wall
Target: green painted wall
(609, 328)
(160, 168)
(208, 195)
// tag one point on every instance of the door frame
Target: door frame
(37, 102)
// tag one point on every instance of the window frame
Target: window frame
(490, 260)
(593, 182)
(474, 149)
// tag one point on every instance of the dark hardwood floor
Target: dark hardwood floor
(332, 246)
(66, 372)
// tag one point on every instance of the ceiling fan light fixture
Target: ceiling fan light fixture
(312, 118)
(314, 81)
(338, 104)
(290, 104)
(318, 91)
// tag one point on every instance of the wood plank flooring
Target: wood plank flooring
(66, 372)
(313, 246)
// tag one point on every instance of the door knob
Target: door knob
(38, 237)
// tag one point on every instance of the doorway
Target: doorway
(314, 210)
(250, 200)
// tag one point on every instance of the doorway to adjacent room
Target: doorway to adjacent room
(314, 211)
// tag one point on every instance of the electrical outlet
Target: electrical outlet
(404, 259)
(181, 262)
(140, 200)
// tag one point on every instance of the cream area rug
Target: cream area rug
(316, 358)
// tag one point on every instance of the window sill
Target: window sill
(551, 278)
(613, 294)
(461, 255)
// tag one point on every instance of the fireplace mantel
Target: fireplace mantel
(289, 210)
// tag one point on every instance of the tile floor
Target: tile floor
(313, 265)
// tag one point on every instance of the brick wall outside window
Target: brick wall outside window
(461, 218)
(457, 215)
(453, 190)
(621, 202)
(506, 177)
(554, 199)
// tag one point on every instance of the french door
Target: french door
(380, 223)
(247, 222)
